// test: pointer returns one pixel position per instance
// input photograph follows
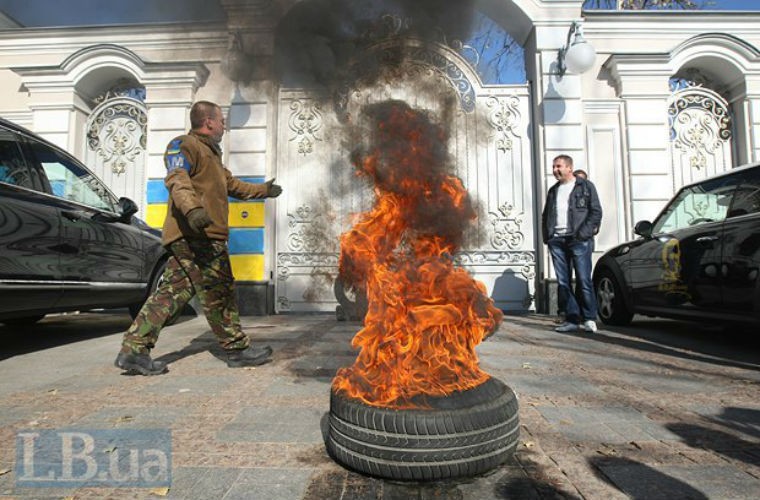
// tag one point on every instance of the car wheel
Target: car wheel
(155, 281)
(25, 321)
(610, 301)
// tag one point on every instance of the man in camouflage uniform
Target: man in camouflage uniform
(195, 233)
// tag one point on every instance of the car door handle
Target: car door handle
(703, 240)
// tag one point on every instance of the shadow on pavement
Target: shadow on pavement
(708, 343)
(699, 342)
(641, 482)
(509, 486)
(60, 329)
(507, 482)
(735, 342)
(722, 434)
(201, 343)
(744, 420)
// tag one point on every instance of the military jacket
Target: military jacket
(196, 178)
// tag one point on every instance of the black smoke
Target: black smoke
(319, 41)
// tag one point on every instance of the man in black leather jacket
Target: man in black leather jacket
(571, 217)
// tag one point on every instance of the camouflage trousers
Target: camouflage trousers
(195, 267)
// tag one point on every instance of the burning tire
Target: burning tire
(464, 434)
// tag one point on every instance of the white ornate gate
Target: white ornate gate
(116, 142)
(490, 142)
(700, 133)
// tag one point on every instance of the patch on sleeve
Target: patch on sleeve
(175, 161)
(175, 158)
(174, 147)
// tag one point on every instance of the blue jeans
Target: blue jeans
(569, 254)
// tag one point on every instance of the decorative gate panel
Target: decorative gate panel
(700, 133)
(490, 143)
(116, 147)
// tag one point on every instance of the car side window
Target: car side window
(747, 197)
(703, 203)
(70, 181)
(13, 169)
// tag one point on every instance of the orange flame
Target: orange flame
(425, 315)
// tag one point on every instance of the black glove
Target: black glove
(198, 219)
(273, 190)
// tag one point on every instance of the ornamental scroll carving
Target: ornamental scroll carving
(285, 261)
(487, 257)
(311, 231)
(452, 72)
(284, 303)
(507, 232)
(305, 121)
(312, 251)
(385, 57)
(321, 269)
(117, 134)
(700, 124)
(524, 260)
(504, 118)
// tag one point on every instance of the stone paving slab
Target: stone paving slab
(12, 414)
(202, 482)
(299, 386)
(517, 362)
(632, 412)
(609, 425)
(274, 424)
(131, 417)
(551, 385)
(274, 484)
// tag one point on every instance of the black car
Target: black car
(66, 242)
(698, 260)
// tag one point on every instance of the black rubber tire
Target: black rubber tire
(611, 305)
(464, 434)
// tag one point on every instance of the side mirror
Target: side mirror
(643, 228)
(127, 208)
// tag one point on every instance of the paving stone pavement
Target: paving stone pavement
(648, 411)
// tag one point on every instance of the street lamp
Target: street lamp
(578, 56)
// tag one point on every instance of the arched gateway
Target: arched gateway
(490, 140)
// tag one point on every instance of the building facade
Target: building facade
(672, 97)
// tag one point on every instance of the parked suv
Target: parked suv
(66, 242)
(698, 260)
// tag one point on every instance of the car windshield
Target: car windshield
(703, 203)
